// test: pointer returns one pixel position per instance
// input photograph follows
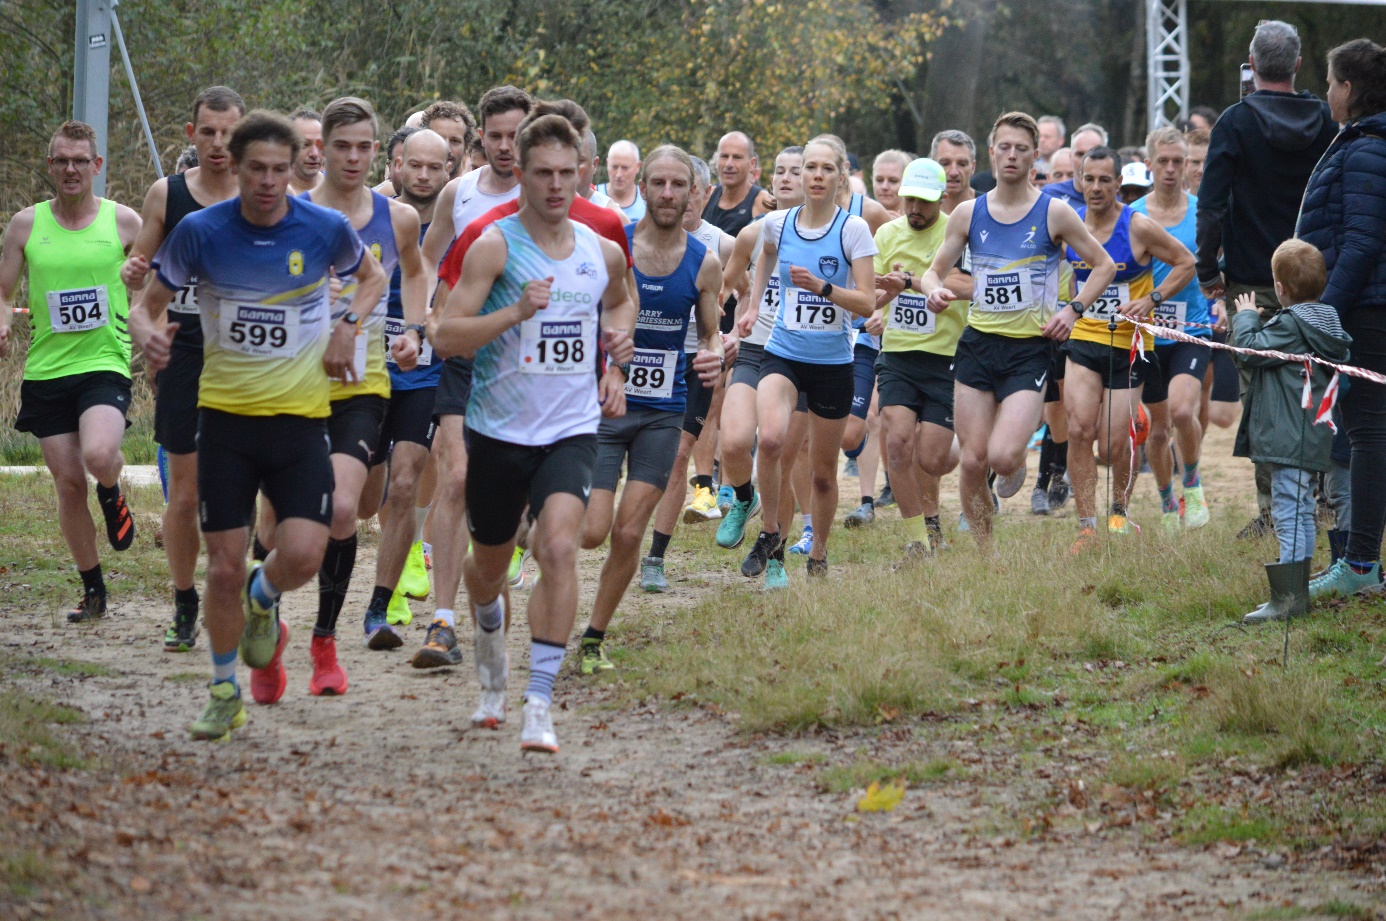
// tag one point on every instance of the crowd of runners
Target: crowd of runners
(479, 350)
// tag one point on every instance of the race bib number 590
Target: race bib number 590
(254, 329)
(557, 346)
(79, 309)
(909, 315)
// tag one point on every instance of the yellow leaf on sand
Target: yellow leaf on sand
(882, 799)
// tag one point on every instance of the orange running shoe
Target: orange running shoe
(328, 676)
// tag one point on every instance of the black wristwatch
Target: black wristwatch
(624, 369)
(420, 329)
(1156, 298)
(351, 318)
(827, 291)
(909, 281)
(1078, 307)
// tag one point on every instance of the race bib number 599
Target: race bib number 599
(254, 329)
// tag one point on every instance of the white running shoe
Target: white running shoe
(492, 662)
(490, 713)
(1007, 486)
(538, 735)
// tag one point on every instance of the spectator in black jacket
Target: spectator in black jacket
(1260, 155)
(1344, 216)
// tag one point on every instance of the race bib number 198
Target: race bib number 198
(79, 309)
(557, 346)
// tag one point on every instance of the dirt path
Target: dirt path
(385, 803)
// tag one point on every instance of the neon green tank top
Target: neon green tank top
(78, 306)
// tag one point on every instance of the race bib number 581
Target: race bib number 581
(1004, 292)
(557, 346)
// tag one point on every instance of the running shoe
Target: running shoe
(732, 531)
(963, 524)
(817, 568)
(936, 541)
(517, 568)
(428, 555)
(379, 633)
(886, 499)
(538, 734)
(915, 552)
(1060, 488)
(413, 581)
(1341, 580)
(91, 607)
(1120, 524)
(852, 468)
(490, 712)
(267, 684)
(398, 613)
(492, 661)
(328, 677)
(440, 647)
(861, 516)
(775, 576)
(592, 656)
(725, 497)
(182, 633)
(1007, 486)
(260, 638)
(1039, 501)
(223, 713)
(1195, 507)
(703, 507)
(652, 575)
(1170, 522)
(804, 544)
(120, 527)
(1087, 540)
(761, 550)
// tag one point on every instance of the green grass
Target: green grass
(864, 772)
(796, 758)
(69, 668)
(1332, 909)
(25, 732)
(24, 873)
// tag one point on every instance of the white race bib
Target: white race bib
(557, 346)
(259, 330)
(909, 315)
(652, 374)
(185, 299)
(79, 309)
(1005, 292)
(1106, 306)
(1171, 314)
(394, 328)
(808, 313)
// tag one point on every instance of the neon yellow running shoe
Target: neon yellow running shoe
(398, 613)
(592, 655)
(1171, 522)
(703, 507)
(223, 713)
(1120, 524)
(1195, 507)
(413, 581)
(517, 568)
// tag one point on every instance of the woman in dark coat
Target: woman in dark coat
(1344, 216)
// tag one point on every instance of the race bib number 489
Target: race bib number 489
(79, 309)
(652, 374)
(254, 329)
(557, 346)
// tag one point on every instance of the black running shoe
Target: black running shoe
(759, 557)
(818, 568)
(91, 607)
(886, 499)
(182, 633)
(1059, 488)
(120, 527)
(1258, 527)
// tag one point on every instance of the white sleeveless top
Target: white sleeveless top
(471, 203)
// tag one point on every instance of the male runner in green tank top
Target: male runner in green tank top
(76, 388)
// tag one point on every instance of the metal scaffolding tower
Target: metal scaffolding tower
(1167, 61)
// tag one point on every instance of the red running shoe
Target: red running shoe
(267, 684)
(328, 676)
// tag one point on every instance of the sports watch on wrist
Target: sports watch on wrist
(351, 318)
(1078, 307)
(1156, 298)
(827, 290)
(418, 328)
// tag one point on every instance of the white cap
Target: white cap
(1136, 174)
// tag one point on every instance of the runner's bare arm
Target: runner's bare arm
(1150, 239)
(954, 243)
(441, 232)
(371, 282)
(708, 361)
(135, 272)
(874, 213)
(764, 204)
(735, 277)
(1067, 228)
(128, 226)
(619, 311)
(148, 327)
(748, 311)
(413, 283)
(462, 330)
(11, 267)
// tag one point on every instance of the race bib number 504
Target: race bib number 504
(557, 346)
(79, 309)
(258, 330)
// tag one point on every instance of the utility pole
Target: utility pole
(91, 73)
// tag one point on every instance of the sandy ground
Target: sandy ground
(386, 803)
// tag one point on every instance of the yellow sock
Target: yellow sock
(917, 528)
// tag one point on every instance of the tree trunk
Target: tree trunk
(947, 98)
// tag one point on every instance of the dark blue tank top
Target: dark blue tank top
(656, 372)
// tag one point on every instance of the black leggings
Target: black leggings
(1364, 415)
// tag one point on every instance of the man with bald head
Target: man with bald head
(1086, 138)
(422, 162)
(736, 200)
(622, 168)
